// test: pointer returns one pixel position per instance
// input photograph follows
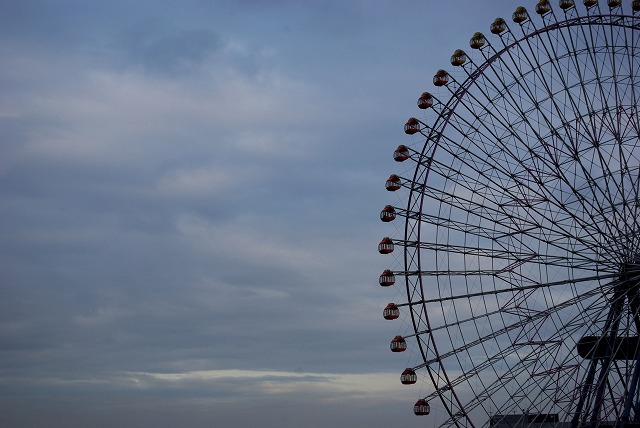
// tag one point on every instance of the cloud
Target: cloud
(119, 116)
(224, 385)
(202, 182)
(170, 53)
(248, 398)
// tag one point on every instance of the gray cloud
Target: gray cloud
(167, 52)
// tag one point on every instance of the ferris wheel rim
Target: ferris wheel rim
(437, 130)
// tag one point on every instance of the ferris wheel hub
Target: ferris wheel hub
(630, 271)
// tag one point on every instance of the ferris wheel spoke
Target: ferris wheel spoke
(475, 371)
(587, 206)
(527, 366)
(567, 327)
(584, 263)
(459, 225)
(518, 288)
(528, 363)
(518, 233)
(548, 88)
(585, 203)
(496, 210)
(522, 225)
(516, 377)
(519, 324)
(604, 96)
(575, 104)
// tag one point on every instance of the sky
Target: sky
(189, 208)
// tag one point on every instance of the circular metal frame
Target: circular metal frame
(522, 232)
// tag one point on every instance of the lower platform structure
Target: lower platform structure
(546, 420)
(522, 420)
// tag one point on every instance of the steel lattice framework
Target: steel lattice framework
(521, 225)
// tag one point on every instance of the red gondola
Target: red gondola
(393, 183)
(385, 246)
(408, 377)
(391, 312)
(388, 214)
(398, 344)
(401, 154)
(412, 126)
(421, 408)
(441, 78)
(425, 101)
(387, 278)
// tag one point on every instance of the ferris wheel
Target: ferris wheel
(517, 256)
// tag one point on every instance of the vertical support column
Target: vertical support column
(630, 277)
(575, 421)
(613, 321)
(610, 332)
